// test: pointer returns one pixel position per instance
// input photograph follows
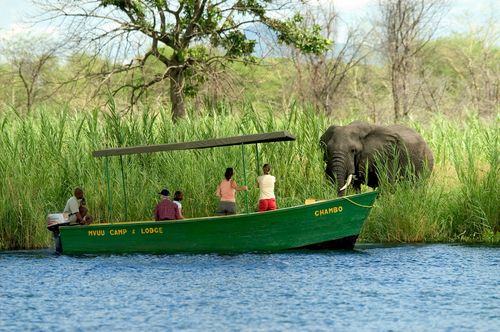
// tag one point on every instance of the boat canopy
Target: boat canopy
(278, 136)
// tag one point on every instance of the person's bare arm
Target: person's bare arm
(178, 213)
(238, 188)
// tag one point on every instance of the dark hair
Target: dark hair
(266, 168)
(229, 173)
(177, 195)
(164, 192)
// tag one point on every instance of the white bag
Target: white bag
(57, 218)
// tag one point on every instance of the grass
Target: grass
(460, 202)
(48, 153)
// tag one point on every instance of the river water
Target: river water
(372, 288)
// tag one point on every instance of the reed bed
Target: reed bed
(47, 154)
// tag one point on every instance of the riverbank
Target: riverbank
(48, 153)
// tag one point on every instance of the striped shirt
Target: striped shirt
(167, 210)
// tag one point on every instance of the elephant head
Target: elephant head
(350, 152)
(342, 146)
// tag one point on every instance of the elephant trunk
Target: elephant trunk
(340, 175)
(341, 183)
(349, 179)
(338, 171)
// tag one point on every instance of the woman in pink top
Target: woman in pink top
(226, 191)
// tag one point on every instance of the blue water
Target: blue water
(373, 288)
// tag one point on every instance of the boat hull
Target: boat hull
(328, 224)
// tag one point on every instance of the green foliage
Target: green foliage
(466, 208)
(255, 7)
(292, 32)
(60, 145)
(210, 20)
(409, 212)
(47, 154)
(135, 9)
(462, 60)
(478, 210)
(237, 45)
(220, 26)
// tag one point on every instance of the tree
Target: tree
(468, 67)
(29, 59)
(322, 77)
(183, 35)
(406, 26)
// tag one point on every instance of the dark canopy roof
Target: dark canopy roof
(277, 136)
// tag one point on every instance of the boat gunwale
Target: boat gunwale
(216, 218)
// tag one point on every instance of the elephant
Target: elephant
(356, 152)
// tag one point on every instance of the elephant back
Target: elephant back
(415, 146)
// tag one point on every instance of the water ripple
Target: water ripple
(374, 288)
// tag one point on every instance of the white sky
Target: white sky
(12, 12)
(348, 5)
(462, 13)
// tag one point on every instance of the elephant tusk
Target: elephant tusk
(349, 179)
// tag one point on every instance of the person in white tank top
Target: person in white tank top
(178, 197)
(267, 199)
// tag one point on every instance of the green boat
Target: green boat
(328, 224)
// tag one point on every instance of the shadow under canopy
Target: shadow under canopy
(278, 136)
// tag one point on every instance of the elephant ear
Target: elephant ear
(362, 129)
(380, 140)
(325, 138)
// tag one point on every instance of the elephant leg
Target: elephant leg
(357, 186)
(372, 180)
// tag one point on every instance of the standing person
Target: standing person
(178, 197)
(226, 191)
(267, 200)
(166, 209)
(76, 209)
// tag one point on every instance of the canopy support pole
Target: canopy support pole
(257, 155)
(244, 173)
(106, 162)
(124, 189)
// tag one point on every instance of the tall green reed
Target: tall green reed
(461, 202)
(47, 154)
(476, 161)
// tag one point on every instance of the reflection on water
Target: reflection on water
(373, 288)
